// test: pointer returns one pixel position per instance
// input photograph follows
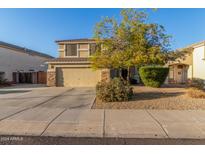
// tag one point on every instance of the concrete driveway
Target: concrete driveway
(49, 97)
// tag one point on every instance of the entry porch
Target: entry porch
(179, 73)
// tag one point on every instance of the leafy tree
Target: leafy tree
(131, 41)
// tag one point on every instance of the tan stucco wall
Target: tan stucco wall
(83, 46)
(187, 59)
(61, 54)
(61, 50)
(83, 54)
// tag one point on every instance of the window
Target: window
(80, 50)
(71, 50)
(92, 48)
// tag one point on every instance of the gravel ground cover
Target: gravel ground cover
(165, 98)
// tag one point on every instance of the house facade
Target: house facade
(21, 65)
(72, 68)
(190, 67)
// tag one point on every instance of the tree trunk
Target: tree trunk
(120, 73)
(128, 74)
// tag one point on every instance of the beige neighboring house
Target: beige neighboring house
(191, 66)
(22, 65)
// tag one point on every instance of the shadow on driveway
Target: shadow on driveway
(14, 91)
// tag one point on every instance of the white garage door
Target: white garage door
(77, 77)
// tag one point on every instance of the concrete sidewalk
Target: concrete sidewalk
(59, 122)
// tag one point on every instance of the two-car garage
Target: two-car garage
(77, 77)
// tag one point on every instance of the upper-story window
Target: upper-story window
(80, 50)
(71, 50)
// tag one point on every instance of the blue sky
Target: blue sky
(37, 29)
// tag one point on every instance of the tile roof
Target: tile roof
(70, 60)
(24, 50)
(76, 40)
(193, 45)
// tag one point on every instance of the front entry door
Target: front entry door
(180, 74)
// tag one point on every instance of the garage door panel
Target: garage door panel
(77, 77)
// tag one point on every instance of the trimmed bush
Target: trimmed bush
(153, 76)
(114, 91)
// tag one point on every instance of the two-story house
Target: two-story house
(21, 65)
(189, 67)
(72, 68)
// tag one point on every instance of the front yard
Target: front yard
(167, 98)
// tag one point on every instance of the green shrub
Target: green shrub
(197, 83)
(153, 76)
(115, 90)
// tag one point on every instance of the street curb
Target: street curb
(44, 140)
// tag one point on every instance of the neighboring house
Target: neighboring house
(21, 65)
(73, 67)
(190, 67)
